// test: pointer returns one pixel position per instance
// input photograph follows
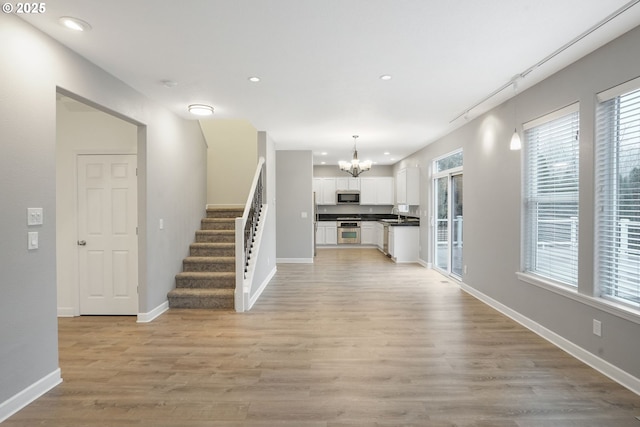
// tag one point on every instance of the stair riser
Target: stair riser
(218, 303)
(202, 251)
(230, 213)
(217, 225)
(209, 266)
(215, 237)
(219, 283)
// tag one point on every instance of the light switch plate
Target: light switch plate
(33, 240)
(35, 216)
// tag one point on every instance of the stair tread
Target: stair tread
(216, 231)
(214, 244)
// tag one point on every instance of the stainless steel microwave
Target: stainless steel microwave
(347, 197)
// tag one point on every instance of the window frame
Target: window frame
(533, 193)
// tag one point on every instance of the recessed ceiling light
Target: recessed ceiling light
(385, 77)
(169, 83)
(74, 24)
(201, 109)
(386, 153)
(324, 153)
(254, 79)
(323, 163)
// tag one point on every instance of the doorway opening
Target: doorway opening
(90, 266)
(449, 222)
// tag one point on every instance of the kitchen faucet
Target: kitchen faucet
(395, 208)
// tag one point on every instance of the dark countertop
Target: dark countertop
(371, 217)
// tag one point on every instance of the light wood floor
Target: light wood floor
(353, 340)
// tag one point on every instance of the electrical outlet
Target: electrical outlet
(35, 216)
(597, 327)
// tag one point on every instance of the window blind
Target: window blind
(618, 194)
(551, 196)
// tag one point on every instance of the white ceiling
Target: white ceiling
(320, 60)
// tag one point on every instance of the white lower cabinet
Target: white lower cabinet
(327, 233)
(379, 230)
(368, 233)
(404, 242)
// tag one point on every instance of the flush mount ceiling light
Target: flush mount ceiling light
(201, 109)
(74, 24)
(254, 79)
(385, 77)
(355, 167)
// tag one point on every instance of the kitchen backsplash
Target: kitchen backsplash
(363, 209)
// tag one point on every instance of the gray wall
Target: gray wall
(294, 234)
(492, 204)
(171, 155)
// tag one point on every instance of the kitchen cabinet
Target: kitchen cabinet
(404, 242)
(325, 189)
(327, 233)
(376, 191)
(379, 234)
(368, 233)
(349, 184)
(408, 186)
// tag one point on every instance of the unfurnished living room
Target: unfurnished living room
(320, 214)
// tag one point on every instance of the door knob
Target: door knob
(82, 243)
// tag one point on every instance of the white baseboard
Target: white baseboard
(67, 312)
(616, 374)
(148, 317)
(262, 287)
(29, 394)
(294, 260)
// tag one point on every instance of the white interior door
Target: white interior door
(107, 238)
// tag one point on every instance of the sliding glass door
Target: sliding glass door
(448, 224)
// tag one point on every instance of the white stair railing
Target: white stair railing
(246, 227)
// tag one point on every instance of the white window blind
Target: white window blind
(618, 194)
(551, 196)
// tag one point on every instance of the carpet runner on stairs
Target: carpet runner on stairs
(208, 278)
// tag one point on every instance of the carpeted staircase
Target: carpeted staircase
(208, 278)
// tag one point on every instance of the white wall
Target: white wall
(172, 176)
(80, 129)
(492, 207)
(232, 157)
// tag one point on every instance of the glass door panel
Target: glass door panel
(442, 223)
(456, 228)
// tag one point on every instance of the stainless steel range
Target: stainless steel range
(348, 230)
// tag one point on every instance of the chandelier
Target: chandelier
(355, 167)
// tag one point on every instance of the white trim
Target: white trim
(572, 108)
(294, 260)
(618, 90)
(29, 394)
(618, 310)
(149, 316)
(261, 288)
(616, 374)
(424, 263)
(67, 312)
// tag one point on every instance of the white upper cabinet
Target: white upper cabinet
(325, 189)
(346, 183)
(408, 186)
(376, 191)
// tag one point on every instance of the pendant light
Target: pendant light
(515, 144)
(355, 167)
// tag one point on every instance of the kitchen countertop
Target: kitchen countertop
(412, 221)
